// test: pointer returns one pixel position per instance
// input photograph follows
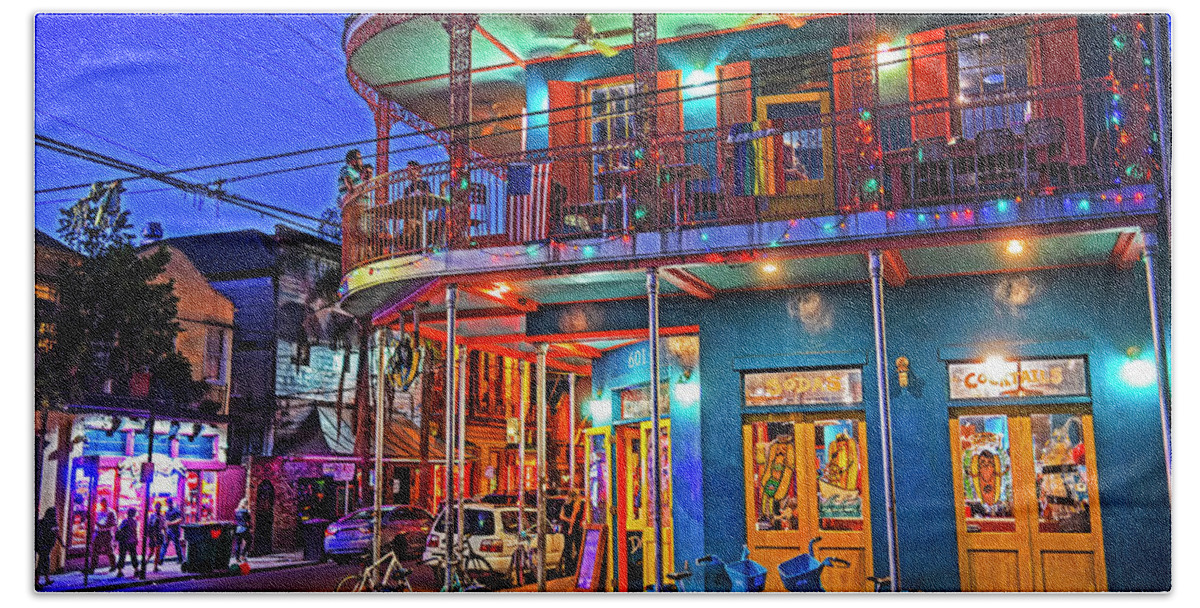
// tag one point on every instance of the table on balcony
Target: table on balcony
(414, 211)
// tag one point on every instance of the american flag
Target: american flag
(528, 217)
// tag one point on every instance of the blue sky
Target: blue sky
(176, 91)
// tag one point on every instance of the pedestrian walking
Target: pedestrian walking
(243, 534)
(572, 516)
(45, 537)
(127, 541)
(155, 530)
(173, 521)
(102, 538)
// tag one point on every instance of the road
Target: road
(318, 577)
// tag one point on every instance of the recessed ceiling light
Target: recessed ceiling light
(769, 267)
(1015, 247)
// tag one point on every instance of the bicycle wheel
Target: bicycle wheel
(353, 582)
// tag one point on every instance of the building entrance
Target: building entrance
(635, 505)
(1026, 499)
(806, 476)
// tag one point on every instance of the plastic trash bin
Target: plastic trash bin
(312, 538)
(209, 546)
(801, 573)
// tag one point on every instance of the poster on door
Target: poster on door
(839, 475)
(987, 473)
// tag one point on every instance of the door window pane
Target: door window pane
(665, 465)
(598, 478)
(986, 474)
(637, 478)
(991, 76)
(839, 475)
(1060, 467)
(775, 500)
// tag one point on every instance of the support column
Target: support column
(459, 26)
(571, 429)
(377, 536)
(1149, 252)
(448, 428)
(543, 348)
(656, 437)
(645, 67)
(885, 417)
(461, 452)
(524, 405)
(147, 476)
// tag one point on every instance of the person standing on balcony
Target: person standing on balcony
(350, 175)
(416, 185)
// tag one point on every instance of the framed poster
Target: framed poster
(591, 558)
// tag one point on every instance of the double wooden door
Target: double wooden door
(635, 505)
(1026, 498)
(806, 476)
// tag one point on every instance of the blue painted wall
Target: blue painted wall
(1093, 311)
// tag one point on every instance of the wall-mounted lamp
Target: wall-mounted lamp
(902, 371)
(1138, 372)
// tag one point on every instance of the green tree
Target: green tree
(111, 321)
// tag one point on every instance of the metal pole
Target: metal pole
(571, 428)
(542, 349)
(147, 476)
(521, 453)
(91, 522)
(885, 418)
(656, 440)
(447, 430)
(377, 536)
(1164, 138)
(1149, 250)
(40, 455)
(461, 455)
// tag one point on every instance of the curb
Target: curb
(176, 579)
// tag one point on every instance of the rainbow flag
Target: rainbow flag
(757, 159)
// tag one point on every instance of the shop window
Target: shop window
(214, 355)
(986, 474)
(838, 455)
(775, 501)
(993, 71)
(1060, 467)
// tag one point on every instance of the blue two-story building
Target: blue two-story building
(902, 280)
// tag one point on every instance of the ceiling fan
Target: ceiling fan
(585, 35)
(792, 20)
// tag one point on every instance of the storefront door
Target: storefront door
(635, 519)
(598, 475)
(1026, 500)
(806, 476)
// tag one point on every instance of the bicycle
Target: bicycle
(523, 562)
(461, 569)
(394, 576)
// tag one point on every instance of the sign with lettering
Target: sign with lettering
(804, 387)
(635, 401)
(1006, 379)
(591, 557)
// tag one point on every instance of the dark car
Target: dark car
(404, 530)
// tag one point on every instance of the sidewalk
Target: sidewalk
(101, 580)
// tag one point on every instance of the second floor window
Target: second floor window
(612, 121)
(214, 355)
(993, 71)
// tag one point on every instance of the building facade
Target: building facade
(901, 280)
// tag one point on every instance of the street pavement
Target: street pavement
(310, 578)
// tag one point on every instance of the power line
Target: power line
(240, 201)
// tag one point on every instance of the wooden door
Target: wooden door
(1025, 486)
(806, 477)
(647, 434)
(598, 486)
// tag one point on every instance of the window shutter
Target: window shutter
(844, 105)
(929, 81)
(670, 117)
(565, 127)
(734, 99)
(1055, 58)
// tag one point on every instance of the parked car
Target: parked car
(404, 529)
(491, 532)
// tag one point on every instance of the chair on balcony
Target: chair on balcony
(1045, 153)
(932, 175)
(996, 159)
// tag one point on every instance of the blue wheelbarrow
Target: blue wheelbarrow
(710, 575)
(803, 572)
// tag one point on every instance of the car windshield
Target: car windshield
(366, 514)
(475, 522)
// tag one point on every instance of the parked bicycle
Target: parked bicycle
(387, 574)
(466, 572)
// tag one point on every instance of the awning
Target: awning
(318, 431)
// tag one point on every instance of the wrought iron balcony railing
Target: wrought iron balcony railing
(792, 168)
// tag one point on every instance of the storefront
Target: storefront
(110, 454)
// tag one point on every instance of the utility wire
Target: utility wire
(240, 201)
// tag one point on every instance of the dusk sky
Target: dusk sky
(176, 91)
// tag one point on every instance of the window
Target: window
(612, 121)
(993, 70)
(43, 291)
(214, 356)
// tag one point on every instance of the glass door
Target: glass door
(598, 475)
(1027, 515)
(806, 476)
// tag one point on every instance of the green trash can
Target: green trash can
(209, 546)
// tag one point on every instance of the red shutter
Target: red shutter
(734, 100)
(670, 117)
(928, 80)
(1055, 58)
(565, 127)
(843, 107)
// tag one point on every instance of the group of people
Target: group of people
(163, 530)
